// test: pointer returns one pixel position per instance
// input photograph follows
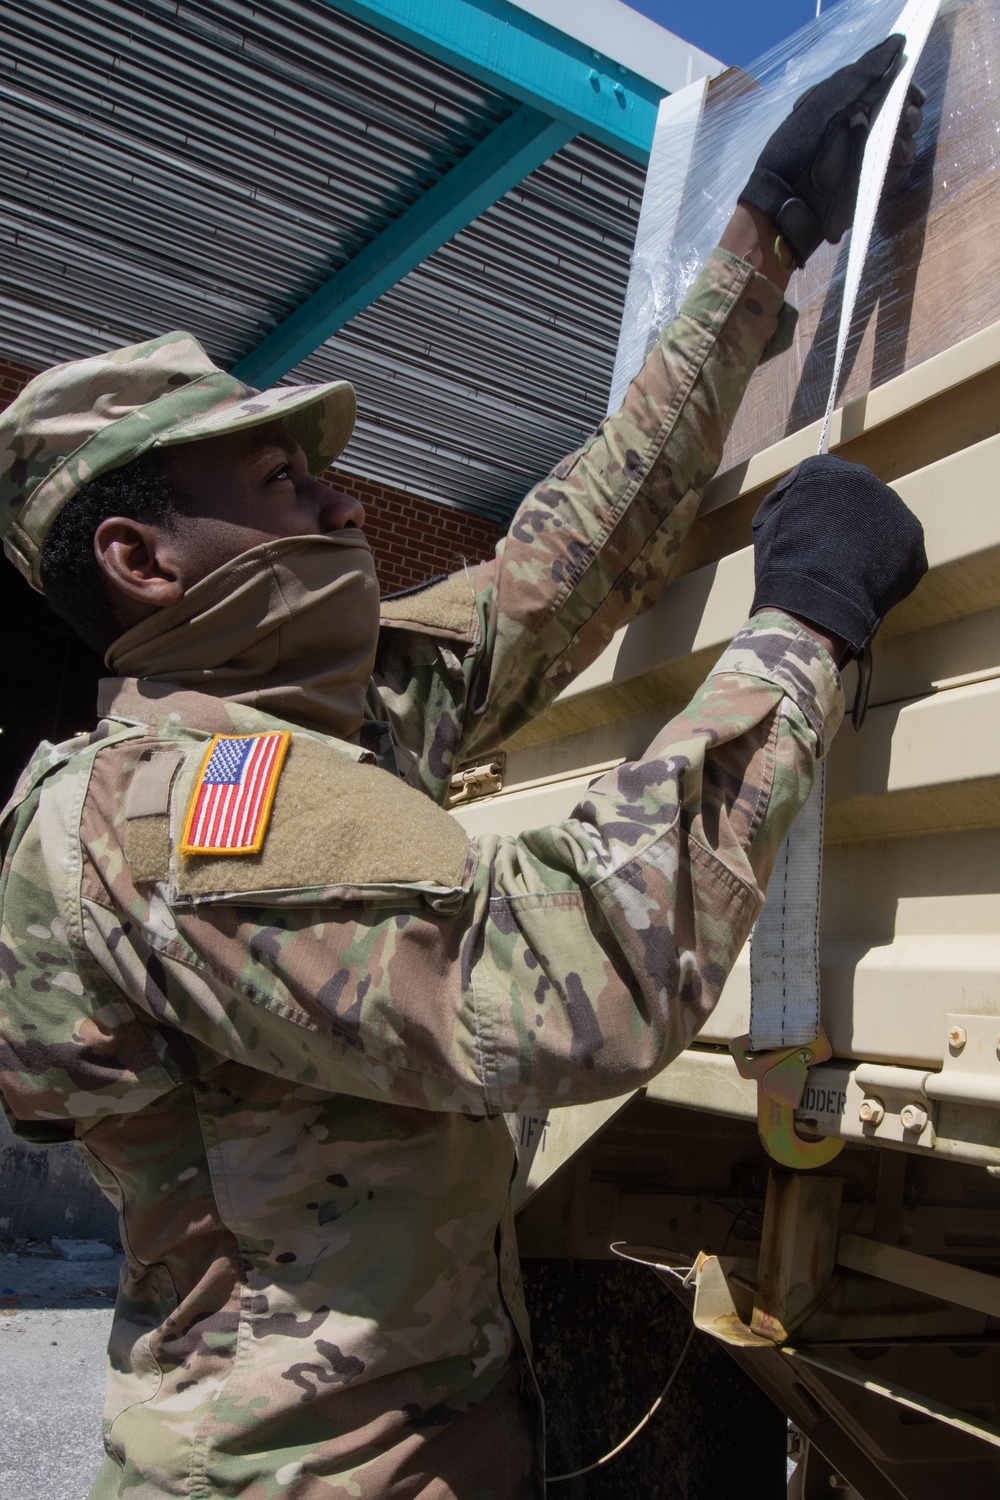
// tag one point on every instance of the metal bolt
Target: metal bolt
(913, 1117)
(871, 1112)
(957, 1037)
(805, 1057)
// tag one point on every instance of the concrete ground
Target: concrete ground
(55, 1316)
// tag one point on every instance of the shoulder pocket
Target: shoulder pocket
(337, 830)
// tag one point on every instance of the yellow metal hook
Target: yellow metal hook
(781, 1079)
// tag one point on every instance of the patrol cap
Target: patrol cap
(82, 419)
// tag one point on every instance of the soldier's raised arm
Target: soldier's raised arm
(593, 544)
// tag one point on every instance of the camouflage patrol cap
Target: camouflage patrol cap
(79, 420)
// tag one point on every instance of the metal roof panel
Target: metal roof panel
(485, 365)
(206, 164)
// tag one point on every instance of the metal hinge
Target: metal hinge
(473, 782)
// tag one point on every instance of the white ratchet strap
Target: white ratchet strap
(784, 951)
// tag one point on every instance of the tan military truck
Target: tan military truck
(863, 1296)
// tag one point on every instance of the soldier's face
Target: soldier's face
(251, 487)
(241, 490)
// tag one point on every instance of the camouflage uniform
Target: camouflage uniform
(290, 1068)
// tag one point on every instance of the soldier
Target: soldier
(271, 989)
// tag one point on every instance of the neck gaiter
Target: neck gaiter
(289, 627)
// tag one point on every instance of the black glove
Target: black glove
(837, 546)
(806, 178)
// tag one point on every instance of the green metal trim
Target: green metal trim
(524, 57)
(509, 154)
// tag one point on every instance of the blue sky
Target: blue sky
(732, 30)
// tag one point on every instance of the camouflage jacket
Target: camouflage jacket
(290, 1068)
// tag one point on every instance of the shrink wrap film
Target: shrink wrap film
(932, 275)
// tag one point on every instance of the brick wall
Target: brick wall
(412, 538)
(13, 378)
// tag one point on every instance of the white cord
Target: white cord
(653, 1261)
(579, 1473)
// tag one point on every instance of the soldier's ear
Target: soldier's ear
(141, 562)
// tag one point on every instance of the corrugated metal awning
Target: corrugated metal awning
(492, 359)
(209, 165)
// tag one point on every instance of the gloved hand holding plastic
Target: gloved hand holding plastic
(806, 178)
(932, 273)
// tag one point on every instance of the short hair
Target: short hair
(74, 585)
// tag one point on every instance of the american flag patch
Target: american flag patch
(231, 802)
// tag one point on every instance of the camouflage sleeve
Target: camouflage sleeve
(71, 1049)
(593, 544)
(580, 959)
(611, 935)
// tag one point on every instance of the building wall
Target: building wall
(412, 538)
(13, 378)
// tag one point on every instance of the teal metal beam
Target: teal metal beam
(508, 154)
(564, 88)
(527, 59)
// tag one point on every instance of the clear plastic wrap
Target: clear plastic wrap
(932, 275)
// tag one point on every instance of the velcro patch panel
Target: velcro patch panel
(232, 799)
